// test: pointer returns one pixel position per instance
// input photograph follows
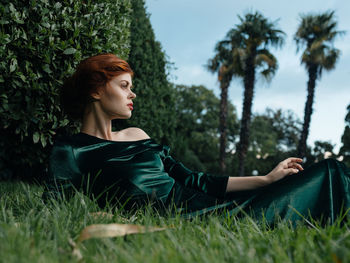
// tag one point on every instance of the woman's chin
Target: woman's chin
(122, 117)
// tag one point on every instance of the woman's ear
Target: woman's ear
(96, 94)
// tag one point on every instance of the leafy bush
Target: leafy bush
(41, 41)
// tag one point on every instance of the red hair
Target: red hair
(92, 73)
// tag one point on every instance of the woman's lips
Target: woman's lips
(130, 106)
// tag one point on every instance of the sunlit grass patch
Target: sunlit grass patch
(34, 231)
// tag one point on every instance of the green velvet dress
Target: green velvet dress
(134, 173)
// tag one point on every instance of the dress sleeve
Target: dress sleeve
(210, 184)
(64, 175)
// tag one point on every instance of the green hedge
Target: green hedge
(155, 101)
(41, 41)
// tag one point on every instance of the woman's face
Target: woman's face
(115, 99)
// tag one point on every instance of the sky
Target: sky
(189, 29)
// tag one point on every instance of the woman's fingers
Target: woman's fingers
(298, 166)
(292, 171)
(293, 162)
(294, 159)
(295, 165)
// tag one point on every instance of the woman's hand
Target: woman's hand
(287, 167)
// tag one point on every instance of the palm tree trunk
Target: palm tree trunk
(249, 80)
(308, 110)
(223, 123)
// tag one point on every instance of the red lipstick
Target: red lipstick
(130, 106)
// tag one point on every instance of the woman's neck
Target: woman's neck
(95, 123)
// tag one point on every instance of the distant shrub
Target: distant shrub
(41, 41)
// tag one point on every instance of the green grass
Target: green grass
(31, 231)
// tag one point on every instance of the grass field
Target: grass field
(31, 231)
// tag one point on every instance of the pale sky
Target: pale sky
(189, 29)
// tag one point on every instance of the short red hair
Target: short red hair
(92, 73)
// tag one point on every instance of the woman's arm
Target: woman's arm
(204, 182)
(283, 169)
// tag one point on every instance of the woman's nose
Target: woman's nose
(132, 95)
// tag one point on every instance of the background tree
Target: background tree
(248, 43)
(287, 126)
(41, 43)
(155, 101)
(274, 136)
(197, 132)
(322, 150)
(345, 139)
(315, 34)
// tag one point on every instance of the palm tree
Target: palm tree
(248, 45)
(222, 64)
(315, 34)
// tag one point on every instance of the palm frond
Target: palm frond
(251, 37)
(315, 35)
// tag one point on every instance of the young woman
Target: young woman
(127, 167)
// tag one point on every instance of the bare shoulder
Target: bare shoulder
(136, 133)
(131, 134)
